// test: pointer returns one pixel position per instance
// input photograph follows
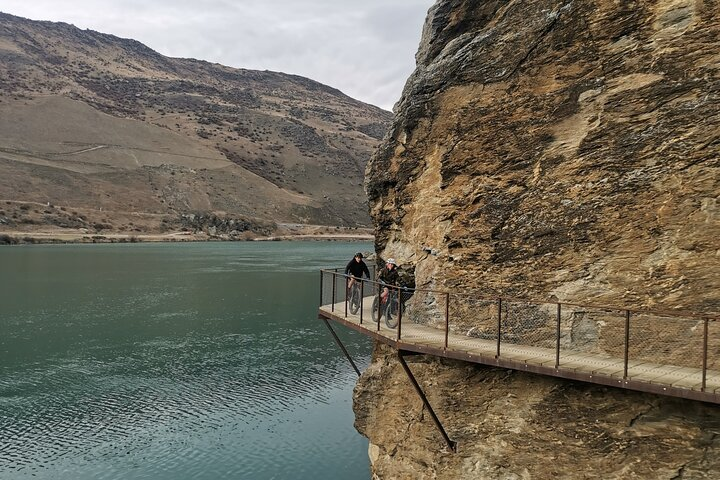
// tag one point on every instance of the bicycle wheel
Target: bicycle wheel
(374, 309)
(355, 299)
(391, 312)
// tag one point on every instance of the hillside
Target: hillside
(107, 128)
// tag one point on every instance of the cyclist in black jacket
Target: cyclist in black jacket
(388, 276)
(356, 268)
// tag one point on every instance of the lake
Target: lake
(175, 361)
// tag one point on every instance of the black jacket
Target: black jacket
(390, 277)
(356, 269)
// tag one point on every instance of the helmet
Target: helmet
(391, 261)
(359, 254)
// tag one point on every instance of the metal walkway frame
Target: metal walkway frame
(654, 375)
(570, 372)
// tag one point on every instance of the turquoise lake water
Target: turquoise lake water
(174, 361)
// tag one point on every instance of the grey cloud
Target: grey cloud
(366, 49)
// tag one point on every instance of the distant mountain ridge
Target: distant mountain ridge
(206, 138)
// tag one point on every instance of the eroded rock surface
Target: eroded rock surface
(559, 148)
(563, 151)
(515, 425)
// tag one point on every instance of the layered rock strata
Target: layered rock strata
(560, 151)
(515, 425)
(566, 148)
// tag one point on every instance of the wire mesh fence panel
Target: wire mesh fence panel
(713, 347)
(421, 317)
(375, 290)
(333, 289)
(326, 281)
(530, 324)
(666, 340)
(405, 296)
(341, 288)
(473, 317)
(369, 288)
(592, 331)
(424, 307)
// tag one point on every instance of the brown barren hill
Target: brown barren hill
(135, 142)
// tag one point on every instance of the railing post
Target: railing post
(362, 298)
(334, 287)
(321, 287)
(627, 343)
(557, 338)
(379, 297)
(399, 296)
(705, 355)
(499, 319)
(447, 318)
(346, 295)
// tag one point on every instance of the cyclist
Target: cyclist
(388, 276)
(356, 268)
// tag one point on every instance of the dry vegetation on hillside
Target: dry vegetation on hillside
(91, 121)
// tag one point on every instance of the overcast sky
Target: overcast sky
(366, 48)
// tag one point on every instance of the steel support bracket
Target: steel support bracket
(403, 353)
(342, 347)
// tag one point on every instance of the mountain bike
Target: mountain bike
(390, 308)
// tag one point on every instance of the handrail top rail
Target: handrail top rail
(665, 313)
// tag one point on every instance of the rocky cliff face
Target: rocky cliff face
(555, 150)
(565, 148)
(515, 425)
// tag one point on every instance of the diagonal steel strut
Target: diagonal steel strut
(450, 443)
(342, 347)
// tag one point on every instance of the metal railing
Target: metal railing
(637, 339)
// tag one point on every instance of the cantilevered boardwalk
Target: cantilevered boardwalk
(655, 372)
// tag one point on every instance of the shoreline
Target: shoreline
(41, 238)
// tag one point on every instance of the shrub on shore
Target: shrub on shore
(7, 240)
